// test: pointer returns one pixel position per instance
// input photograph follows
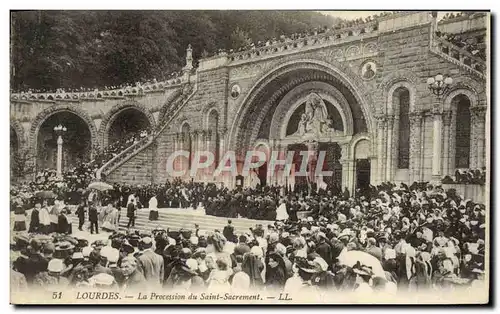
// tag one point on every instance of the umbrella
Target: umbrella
(101, 186)
(45, 194)
(350, 258)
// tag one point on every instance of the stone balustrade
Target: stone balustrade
(132, 150)
(330, 37)
(100, 94)
(459, 56)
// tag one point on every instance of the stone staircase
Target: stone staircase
(459, 56)
(167, 116)
(176, 219)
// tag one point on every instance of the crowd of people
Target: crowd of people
(392, 239)
(120, 145)
(467, 176)
(140, 83)
(75, 180)
(473, 45)
(315, 31)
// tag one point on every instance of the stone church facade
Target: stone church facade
(367, 86)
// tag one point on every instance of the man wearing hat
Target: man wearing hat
(150, 263)
(93, 218)
(373, 249)
(323, 248)
(133, 279)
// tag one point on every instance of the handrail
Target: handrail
(100, 94)
(477, 65)
(331, 36)
(145, 142)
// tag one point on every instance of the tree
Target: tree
(22, 165)
(72, 49)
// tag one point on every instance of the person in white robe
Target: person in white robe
(153, 208)
(44, 218)
(281, 213)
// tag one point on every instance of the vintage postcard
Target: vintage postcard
(250, 157)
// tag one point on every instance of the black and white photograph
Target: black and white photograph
(250, 157)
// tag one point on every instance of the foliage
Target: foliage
(22, 164)
(73, 49)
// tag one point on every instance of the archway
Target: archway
(462, 131)
(213, 134)
(254, 118)
(126, 123)
(77, 141)
(363, 166)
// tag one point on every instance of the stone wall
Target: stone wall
(136, 170)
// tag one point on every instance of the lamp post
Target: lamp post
(59, 130)
(439, 86)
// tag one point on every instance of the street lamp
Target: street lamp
(439, 84)
(59, 130)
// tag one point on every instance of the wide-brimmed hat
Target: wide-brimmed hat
(98, 244)
(55, 265)
(360, 269)
(344, 234)
(102, 279)
(308, 266)
(127, 247)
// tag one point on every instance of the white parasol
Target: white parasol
(350, 258)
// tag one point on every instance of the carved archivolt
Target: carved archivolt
(460, 91)
(112, 114)
(19, 130)
(45, 114)
(297, 96)
(346, 76)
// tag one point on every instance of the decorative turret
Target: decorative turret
(189, 59)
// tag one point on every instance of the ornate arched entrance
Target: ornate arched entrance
(306, 106)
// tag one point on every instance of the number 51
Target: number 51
(56, 295)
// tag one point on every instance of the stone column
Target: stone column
(436, 143)
(222, 151)
(478, 120)
(395, 147)
(59, 156)
(390, 147)
(209, 171)
(452, 142)
(381, 144)
(447, 115)
(415, 145)
(347, 168)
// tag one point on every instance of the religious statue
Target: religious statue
(315, 119)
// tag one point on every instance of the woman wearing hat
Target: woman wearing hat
(275, 272)
(51, 279)
(364, 275)
(301, 283)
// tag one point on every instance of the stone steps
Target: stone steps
(184, 219)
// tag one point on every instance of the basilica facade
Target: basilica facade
(387, 100)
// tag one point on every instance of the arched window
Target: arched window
(462, 131)
(402, 101)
